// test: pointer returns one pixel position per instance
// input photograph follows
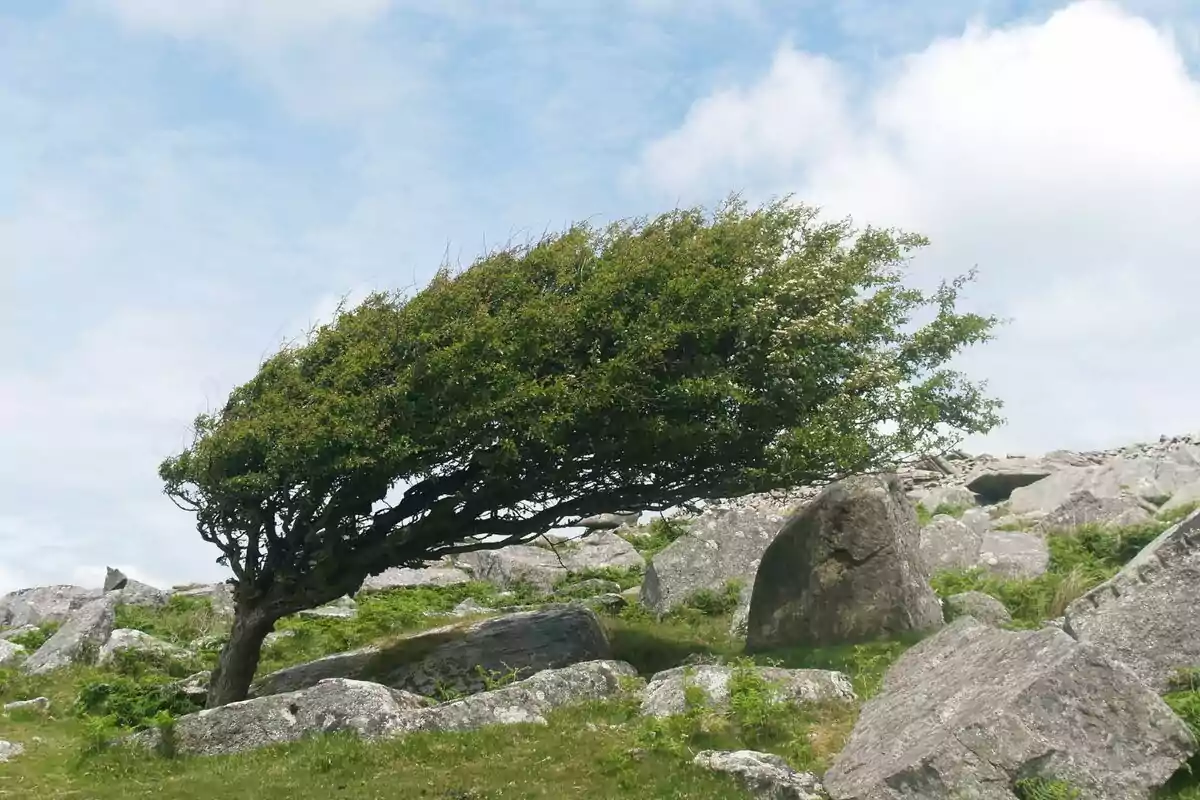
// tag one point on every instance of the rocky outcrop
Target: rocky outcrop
(721, 546)
(10, 654)
(846, 568)
(127, 640)
(995, 481)
(78, 641)
(946, 543)
(1148, 615)
(450, 658)
(982, 607)
(544, 566)
(219, 596)
(373, 711)
(763, 775)
(43, 604)
(1085, 508)
(665, 694)
(971, 710)
(1014, 554)
(404, 577)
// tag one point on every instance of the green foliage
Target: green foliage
(626, 578)
(32, 640)
(1045, 789)
(1088, 556)
(657, 535)
(1173, 515)
(714, 603)
(925, 516)
(139, 664)
(182, 621)
(132, 703)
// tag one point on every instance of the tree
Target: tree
(641, 365)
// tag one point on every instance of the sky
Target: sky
(186, 186)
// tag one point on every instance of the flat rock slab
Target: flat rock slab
(996, 481)
(721, 545)
(449, 658)
(947, 543)
(43, 604)
(405, 577)
(1085, 508)
(665, 694)
(971, 710)
(78, 641)
(1148, 615)
(763, 775)
(1014, 554)
(373, 711)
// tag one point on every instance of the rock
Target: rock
(971, 710)
(590, 587)
(607, 603)
(846, 568)
(219, 595)
(78, 641)
(741, 615)
(43, 604)
(39, 704)
(720, 546)
(1046, 495)
(12, 633)
(525, 701)
(274, 637)
(543, 567)
(982, 607)
(128, 640)
(447, 658)
(338, 704)
(342, 608)
(403, 577)
(114, 579)
(664, 696)
(610, 521)
(1014, 554)
(996, 481)
(953, 496)
(135, 593)
(764, 775)
(10, 654)
(10, 750)
(1084, 508)
(469, 607)
(946, 543)
(195, 687)
(1146, 615)
(1186, 496)
(373, 711)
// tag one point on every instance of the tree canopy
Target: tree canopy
(635, 366)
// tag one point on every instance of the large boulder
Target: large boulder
(946, 543)
(43, 604)
(665, 694)
(1014, 554)
(995, 481)
(1148, 615)
(543, 566)
(951, 495)
(764, 775)
(721, 546)
(1085, 508)
(78, 641)
(973, 709)
(404, 577)
(846, 568)
(10, 654)
(367, 709)
(983, 607)
(125, 640)
(449, 659)
(373, 711)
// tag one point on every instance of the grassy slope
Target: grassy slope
(601, 750)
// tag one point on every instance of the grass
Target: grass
(925, 516)
(655, 537)
(598, 750)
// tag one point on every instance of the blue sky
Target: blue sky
(185, 185)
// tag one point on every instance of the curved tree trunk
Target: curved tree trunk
(239, 658)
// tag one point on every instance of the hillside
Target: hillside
(1036, 534)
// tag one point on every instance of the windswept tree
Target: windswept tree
(642, 365)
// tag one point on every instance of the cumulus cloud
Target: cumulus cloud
(1059, 154)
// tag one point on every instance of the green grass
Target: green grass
(925, 516)
(656, 536)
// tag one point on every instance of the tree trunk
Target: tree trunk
(239, 658)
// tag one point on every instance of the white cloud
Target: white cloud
(1059, 154)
